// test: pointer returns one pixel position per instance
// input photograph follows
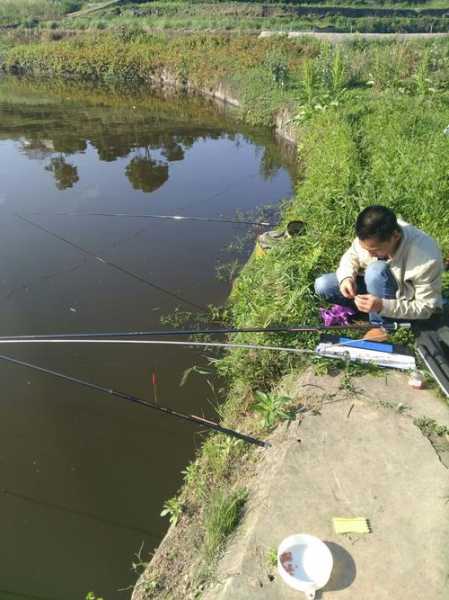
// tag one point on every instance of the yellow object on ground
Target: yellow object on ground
(350, 525)
(259, 250)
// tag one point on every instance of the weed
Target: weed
(192, 474)
(422, 76)
(404, 337)
(338, 73)
(221, 518)
(172, 509)
(430, 427)
(195, 369)
(139, 565)
(228, 271)
(347, 384)
(272, 557)
(398, 407)
(277, 62)
(309, 81)
(151, 585)
(273, 409)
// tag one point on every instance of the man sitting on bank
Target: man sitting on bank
(392, 270)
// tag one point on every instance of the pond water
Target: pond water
(83, 475)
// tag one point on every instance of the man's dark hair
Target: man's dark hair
(378, 222)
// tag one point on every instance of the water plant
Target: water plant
(92, 596)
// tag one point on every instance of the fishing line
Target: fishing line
(25, 595)
(110, 264)
(25, 286)
(62, 508)
(72, 268)
(151, 216)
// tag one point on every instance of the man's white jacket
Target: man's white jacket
(417, 266)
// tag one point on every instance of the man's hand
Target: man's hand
(348, 288)
(368, 303)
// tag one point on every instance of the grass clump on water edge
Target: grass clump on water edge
(221, 517)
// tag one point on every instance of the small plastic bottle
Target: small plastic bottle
(416, 380)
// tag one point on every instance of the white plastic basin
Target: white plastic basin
(304, 563)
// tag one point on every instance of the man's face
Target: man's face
(381, 249)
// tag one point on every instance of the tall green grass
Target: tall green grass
(222, 516)
(19, 10)
(389, 149)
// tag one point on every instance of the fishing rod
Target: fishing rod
(150, 216)
(148, 404)
(223, 331)
(156, 342)
(109, 263)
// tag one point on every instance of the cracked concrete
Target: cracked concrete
(355, 455)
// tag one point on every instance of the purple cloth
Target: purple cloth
(337, 315)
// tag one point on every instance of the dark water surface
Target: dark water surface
(83, 476)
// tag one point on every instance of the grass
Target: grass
(197, 19)
(12, 11)
(358, 16)
(221, 518)
(438, 436)
(430, 427)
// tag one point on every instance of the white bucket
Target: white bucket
(304, 563)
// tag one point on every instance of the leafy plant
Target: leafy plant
(338, 73)
(429, 426)
(272, 408)
(92, 596)
(404, 336)
(172, 509)
(309, 81)
(277, 63)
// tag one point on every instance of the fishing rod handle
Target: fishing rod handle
(396, 325)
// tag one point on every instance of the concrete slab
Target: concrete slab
(387, 389)
(357, 457)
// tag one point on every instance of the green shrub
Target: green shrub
(272, 409)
